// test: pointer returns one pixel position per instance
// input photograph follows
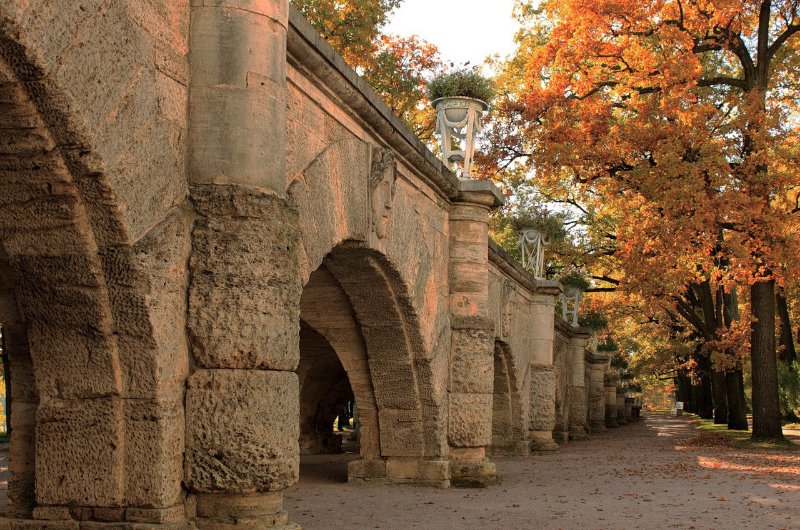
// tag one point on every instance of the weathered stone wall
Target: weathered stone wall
(123, 69)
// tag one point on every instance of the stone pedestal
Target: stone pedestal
(223, 511)
(543, 412)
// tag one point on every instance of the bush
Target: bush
(575, 279)
(465, 82)
(609, 344)
(551, 224)
(592, 320)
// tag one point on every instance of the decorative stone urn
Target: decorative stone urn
(458, 120)
(571, 306)
(533, 242)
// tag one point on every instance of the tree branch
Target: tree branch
(732, 82)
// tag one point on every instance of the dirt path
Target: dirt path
(635, 476)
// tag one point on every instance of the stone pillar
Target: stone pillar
(597, 398)
(238, 94)
(629, 408)
(621, 418)
(610, 389)
(242, 403)
(542, 371)
(576, 391)
(471, 364)
(543, 407)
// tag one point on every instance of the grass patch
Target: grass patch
(742, 438)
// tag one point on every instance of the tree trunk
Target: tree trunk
(737, 407)
(694, 403)
(788, 353)
(706, 405)
(720, 392)
(766, 405)
(684, 390)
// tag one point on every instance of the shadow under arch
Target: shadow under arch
(509, 431)
(358, 302)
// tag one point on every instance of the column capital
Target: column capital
(479, 192)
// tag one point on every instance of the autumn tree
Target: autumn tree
(396, 67)
(677, 117)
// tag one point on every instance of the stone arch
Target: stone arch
(368, 319)
(96, 407)
(329, 325)
(509, 431)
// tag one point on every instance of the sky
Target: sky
(463, 30)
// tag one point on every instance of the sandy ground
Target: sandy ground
(637, 476)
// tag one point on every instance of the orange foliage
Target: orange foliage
(675, 119)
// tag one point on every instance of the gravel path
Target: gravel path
(637, 476)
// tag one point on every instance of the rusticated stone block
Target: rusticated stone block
(543, 397)
(64, 356)
(578, 411)
(52, 513)
(245, 287)
(401, 432)
(154, 443)
(470, 420)
(472, 361)
(362, 469)
(242, 430)
(79, 452)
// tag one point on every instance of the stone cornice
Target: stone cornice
(563, 327)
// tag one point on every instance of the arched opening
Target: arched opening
(333, 370)
(508, 430)
(359, 341)
(325, 393)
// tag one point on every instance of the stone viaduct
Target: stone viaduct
(213, 233)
